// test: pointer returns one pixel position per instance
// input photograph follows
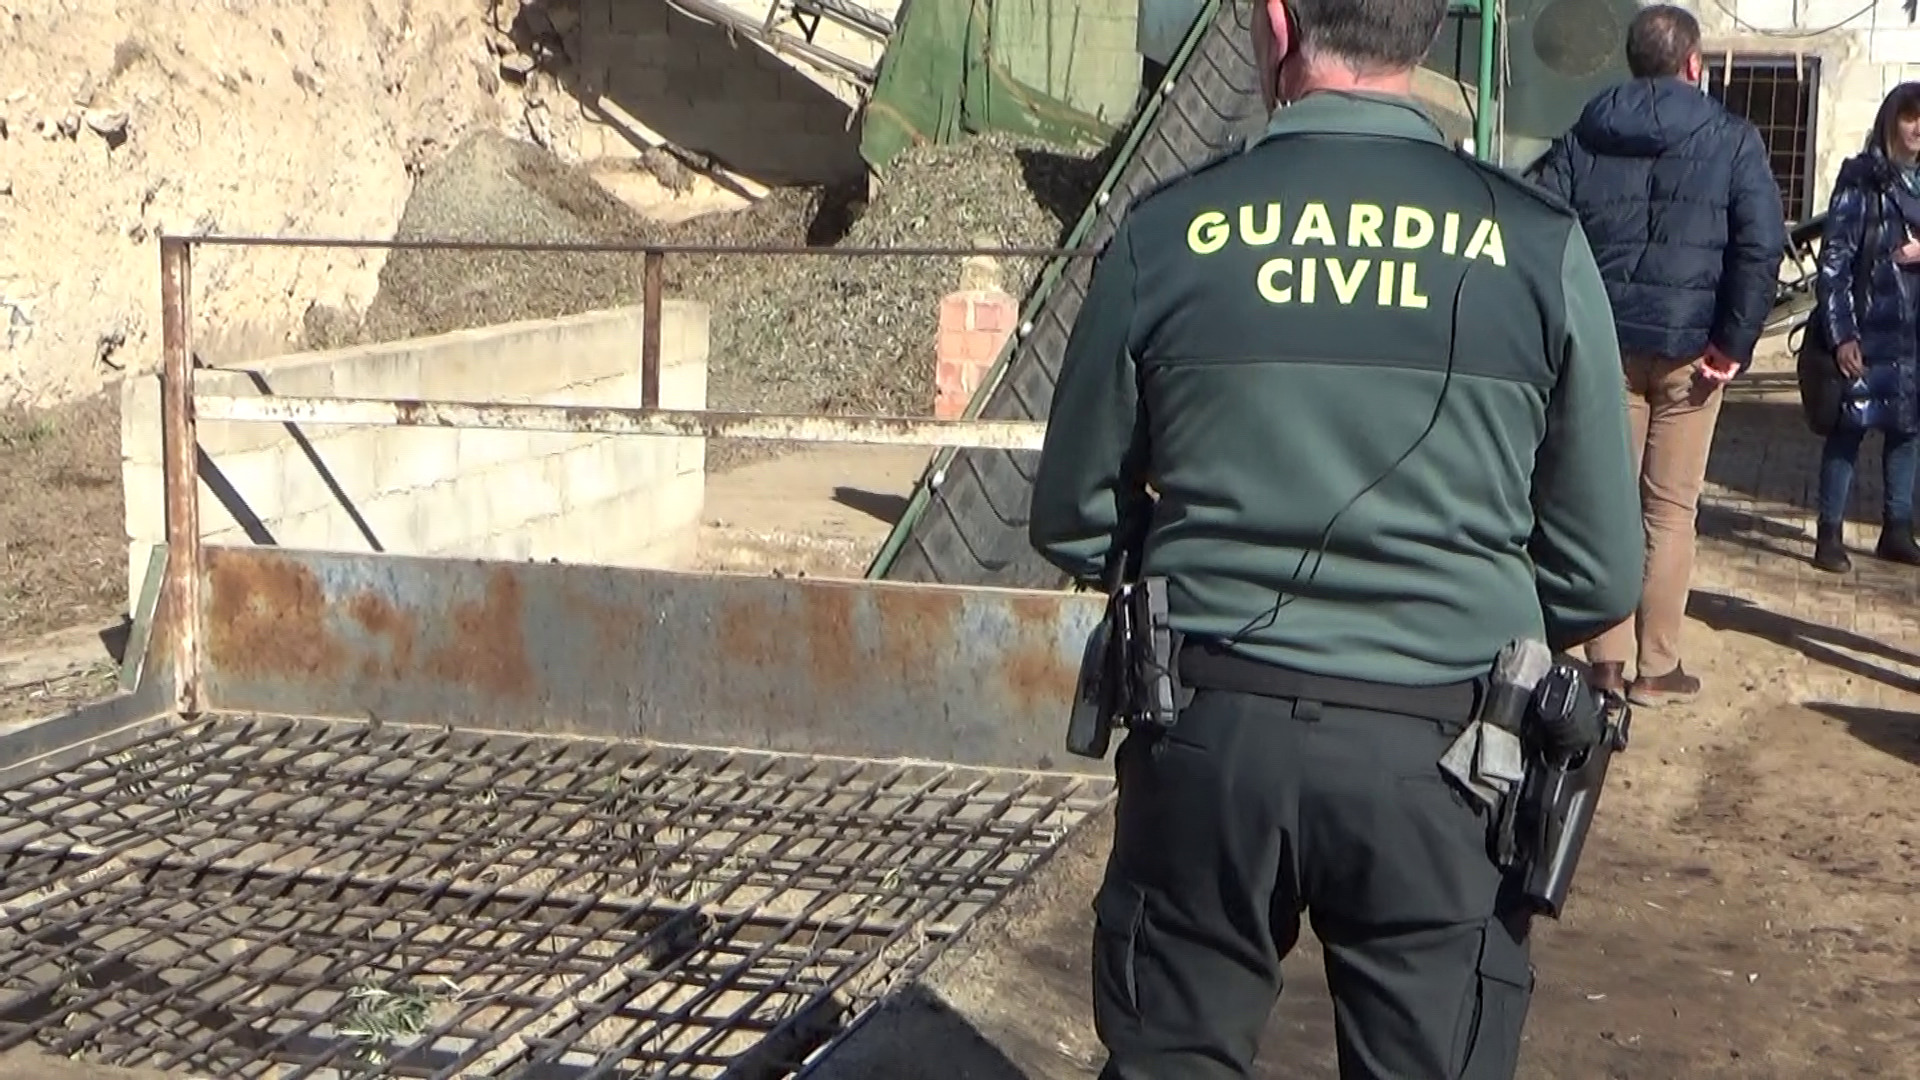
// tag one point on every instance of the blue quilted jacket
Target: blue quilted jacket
(1681, 209)
(1883, 314)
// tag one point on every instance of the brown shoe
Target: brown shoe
(1608, 678)
(1676, 687)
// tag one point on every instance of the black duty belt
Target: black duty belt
(1205, 666)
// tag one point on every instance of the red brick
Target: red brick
(950, 406)
(984, 345)
(974, 327)
(953, 345)
(950, 376)
(955, 309)
(995, 313)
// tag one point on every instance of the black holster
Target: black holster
(1128, 674)
(1573, 731)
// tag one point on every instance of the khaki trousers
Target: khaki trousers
(1672, 416)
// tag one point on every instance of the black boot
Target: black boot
(1829, 552)
(1897, 544)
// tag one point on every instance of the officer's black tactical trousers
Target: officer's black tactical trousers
(1253, 810)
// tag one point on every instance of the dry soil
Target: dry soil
(60, 517)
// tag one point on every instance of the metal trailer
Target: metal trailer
(385, 815)
(440, 817)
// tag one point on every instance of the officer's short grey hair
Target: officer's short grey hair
(1370, 35)
(1659, 40)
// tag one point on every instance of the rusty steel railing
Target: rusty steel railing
(180, 408)
(180, 474)
(609, 420)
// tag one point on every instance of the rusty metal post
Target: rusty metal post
(180, 471)
(652, 282)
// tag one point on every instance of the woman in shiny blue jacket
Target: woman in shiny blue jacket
(1869, 289)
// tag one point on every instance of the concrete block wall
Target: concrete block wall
(620, 500)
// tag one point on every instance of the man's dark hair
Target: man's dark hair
(1660, 40)
(1370, 35)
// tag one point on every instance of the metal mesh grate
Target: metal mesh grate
(1777, 96)
(314, 899)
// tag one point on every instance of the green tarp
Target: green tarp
(943, 78)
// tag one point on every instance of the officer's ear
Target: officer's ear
(1274, 42)
(1280, 18)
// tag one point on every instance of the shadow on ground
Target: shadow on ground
(1060, 183)
(1890, 731)
(1875, 660)
(874, 504)
(1762, 449)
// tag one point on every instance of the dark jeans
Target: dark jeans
(1899, 462)
(1253, 810)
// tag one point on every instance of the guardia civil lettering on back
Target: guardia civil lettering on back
(1364, 391)
(1266, 335)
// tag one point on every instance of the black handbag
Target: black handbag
(1823, 387)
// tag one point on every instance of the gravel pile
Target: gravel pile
(789, 334)
(494, 188)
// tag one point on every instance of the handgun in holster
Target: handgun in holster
(1574, 732)
(1128, 676)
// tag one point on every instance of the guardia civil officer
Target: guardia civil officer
(1373, 387)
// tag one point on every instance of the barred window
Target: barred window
(1779, 95)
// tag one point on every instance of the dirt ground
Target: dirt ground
(1746, 911)
(62, 563)
(819, 512)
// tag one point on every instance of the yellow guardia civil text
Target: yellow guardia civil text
(1339, 268)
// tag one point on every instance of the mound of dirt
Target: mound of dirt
(494, 188)
(120, 120)
(789, 334)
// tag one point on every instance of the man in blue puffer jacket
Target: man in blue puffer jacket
(1682, 211)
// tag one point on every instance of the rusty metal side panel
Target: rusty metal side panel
(878, 669)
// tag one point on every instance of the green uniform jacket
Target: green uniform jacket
(1266, 343)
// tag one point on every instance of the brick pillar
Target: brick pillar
(974, 326)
